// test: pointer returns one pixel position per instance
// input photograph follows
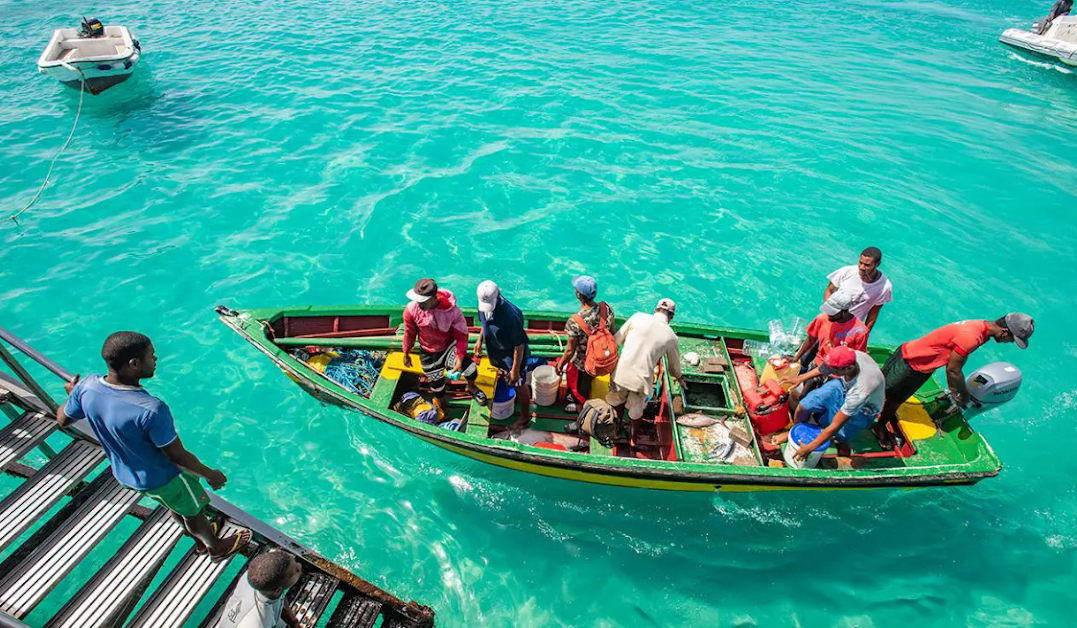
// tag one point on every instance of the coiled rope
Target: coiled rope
(82, 92)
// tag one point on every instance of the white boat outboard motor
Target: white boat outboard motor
(91, 28)
(991, 386)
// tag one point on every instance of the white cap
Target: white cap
(838, 302)
(488, 293)
(667, 305)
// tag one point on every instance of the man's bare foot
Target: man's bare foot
(230, 545)
(776, 439)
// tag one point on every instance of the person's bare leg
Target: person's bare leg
(633, 429)
(523, 398)
(200, 547)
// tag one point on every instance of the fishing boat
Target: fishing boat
(352, 357)
(92, 58)
(1059, 41)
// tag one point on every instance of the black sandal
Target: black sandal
(481, 397)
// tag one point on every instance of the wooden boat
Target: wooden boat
(302, 340)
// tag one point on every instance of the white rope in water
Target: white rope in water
(82, 92)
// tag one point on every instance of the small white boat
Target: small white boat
(1058, 41)
(96, 56)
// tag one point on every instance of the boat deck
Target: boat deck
(65, 510)
(713, 390)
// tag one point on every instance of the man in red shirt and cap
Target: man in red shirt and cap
(864, 397)
(914, 362)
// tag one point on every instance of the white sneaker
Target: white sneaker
(571, 408)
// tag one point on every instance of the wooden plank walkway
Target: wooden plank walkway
(92, 512)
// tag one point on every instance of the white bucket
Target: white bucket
(545, 382)
(799, 433)
(503, 409)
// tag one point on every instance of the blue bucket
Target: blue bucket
(801, 434)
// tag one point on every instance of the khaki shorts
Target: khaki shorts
(634, 401)
(184, 495)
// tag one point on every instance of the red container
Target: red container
(772, 420)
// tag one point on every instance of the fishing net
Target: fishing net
(356, 369)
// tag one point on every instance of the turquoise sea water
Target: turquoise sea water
(725, 154)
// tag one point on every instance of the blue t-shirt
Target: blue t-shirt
(503, 331)
(131, 425)
(825, 401)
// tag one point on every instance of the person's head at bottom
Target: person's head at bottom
(130, 356)
(273, 573)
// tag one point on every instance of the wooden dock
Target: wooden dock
(90, 510)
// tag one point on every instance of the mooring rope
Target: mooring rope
(82, 92)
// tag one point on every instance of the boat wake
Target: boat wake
(1041, 64)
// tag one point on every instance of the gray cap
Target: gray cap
(1020, 325)
(838, 302)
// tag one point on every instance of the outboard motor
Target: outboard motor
(991, 386)
(92, 28)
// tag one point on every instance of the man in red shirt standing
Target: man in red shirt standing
(434, 318)
(836, 326)
(950, 346)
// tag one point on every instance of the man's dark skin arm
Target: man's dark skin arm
(178, 454)
(570, 350)
(955, 377)
(61, 417)
(873, 315)
(517, 363)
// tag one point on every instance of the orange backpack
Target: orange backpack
(601, 354)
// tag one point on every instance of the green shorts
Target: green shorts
(183, 495)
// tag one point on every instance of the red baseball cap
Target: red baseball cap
(839, 357)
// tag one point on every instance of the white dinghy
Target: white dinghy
(1058, 41)
(94, 57)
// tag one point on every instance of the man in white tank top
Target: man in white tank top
(258, 599)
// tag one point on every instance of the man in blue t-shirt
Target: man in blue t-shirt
(139, 437)
(503, 334)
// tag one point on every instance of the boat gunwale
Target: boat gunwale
(644, 469)
(128, 47)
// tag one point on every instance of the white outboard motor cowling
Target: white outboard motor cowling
(992, 386)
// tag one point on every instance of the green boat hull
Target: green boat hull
(952, 454)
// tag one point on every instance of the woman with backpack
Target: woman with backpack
(591, 350)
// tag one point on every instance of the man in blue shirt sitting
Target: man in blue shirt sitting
(139, 437)
(505, 339)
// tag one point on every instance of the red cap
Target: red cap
(840, 357)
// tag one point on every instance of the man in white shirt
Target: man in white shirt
(869, 287)
(644, 340)
(258, 599)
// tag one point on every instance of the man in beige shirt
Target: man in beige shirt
(644, 340)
